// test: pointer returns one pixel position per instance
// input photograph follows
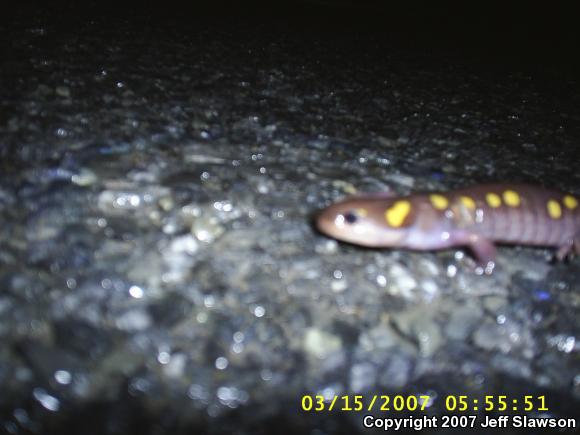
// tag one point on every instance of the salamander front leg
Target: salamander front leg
(483, 251)
(568, 249)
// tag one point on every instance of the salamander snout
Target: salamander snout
(334, 221)
(358, 222)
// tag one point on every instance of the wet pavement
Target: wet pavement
(159, 271)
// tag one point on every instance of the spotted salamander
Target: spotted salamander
(474, 217)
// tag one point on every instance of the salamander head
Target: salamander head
(372, 222)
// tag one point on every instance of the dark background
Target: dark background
(535, 32)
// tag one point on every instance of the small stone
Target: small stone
(62, 91)
(320, 344)
(85, 177)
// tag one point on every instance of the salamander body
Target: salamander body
(475, 217)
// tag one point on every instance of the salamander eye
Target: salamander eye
(350, 217)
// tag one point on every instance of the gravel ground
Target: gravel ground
(159, 272)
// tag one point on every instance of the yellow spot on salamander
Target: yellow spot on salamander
(511, 198)
(468, 202)
(493, 200)
(362, 212)
(554, 209)
(570, 202)
(439, 201)
(396, 214)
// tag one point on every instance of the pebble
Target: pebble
(320, 344)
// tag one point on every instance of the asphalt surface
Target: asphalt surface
(159, 171)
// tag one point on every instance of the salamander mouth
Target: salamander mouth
(341, 227)
(324, 223)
